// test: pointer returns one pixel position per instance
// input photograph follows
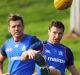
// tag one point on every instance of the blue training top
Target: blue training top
(57, 55)
(14, 50)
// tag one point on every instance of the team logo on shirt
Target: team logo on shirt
(16, 45)
(60, 53)
(23, 48)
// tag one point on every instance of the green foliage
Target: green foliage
(37, 15)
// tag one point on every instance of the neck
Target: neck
(17, 39)
(52, 42)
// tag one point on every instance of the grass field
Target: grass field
(37, 15)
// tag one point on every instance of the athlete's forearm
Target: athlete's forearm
(1, 68)
(2, 58)
(54, 71)
(73, 70)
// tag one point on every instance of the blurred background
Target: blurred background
(37, 15)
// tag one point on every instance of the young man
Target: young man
(13, 48)
(58, 57)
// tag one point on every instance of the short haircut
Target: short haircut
(57, 24)
(14, 17)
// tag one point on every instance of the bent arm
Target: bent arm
(73, 71)
(70, 63)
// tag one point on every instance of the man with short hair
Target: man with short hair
(15, 46)
(58, 56)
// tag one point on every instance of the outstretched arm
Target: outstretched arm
(30, 53)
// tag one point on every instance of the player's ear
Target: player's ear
(48, 31)
(8, 29)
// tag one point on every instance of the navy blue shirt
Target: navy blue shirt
(57, 55)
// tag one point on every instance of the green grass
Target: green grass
(37, 15)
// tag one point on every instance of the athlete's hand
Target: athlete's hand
(24, 56)
(34, 73)
(30, 54)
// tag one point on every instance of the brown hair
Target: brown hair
(14, 17)
(57, 24)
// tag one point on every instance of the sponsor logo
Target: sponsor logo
(9, 49)
(56, 60)
(15, 58)
(23, 48)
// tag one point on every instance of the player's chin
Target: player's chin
(56, 41)
(18, 35)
